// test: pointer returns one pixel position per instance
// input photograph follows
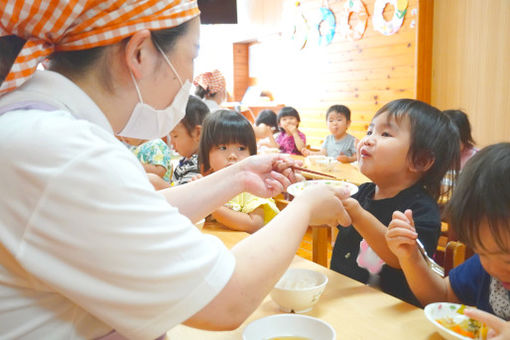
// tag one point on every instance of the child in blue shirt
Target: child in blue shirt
(479, 213)
(339, 144)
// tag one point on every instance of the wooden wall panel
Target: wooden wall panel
(471, 64)
(241, 70)
(363, 74)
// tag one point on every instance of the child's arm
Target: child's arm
(238, 220)
(294, 132)
(347, 159)
(307, 152)
(372, 230)
(427, 286)
(155, 169)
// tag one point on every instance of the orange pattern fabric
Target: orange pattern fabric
(213, 82)
(69, 25)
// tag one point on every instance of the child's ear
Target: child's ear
(422, 162)
(195, 134)
(348, 124)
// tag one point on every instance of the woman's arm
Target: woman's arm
(262, 175)
(238, 220)
(262, 258)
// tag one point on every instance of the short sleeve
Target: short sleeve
(122, 253)
(465, 280)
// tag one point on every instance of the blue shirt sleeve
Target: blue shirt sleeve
(467, 281)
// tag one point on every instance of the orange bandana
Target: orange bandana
(213, 82)
(70, 25)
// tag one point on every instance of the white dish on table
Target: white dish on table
(298, 290)
(282, 326)
(297, 188)
(442, 310)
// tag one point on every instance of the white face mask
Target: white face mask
(148, 123)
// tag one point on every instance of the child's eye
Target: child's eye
(369, 133)
(385, 134)
(242, 148)
(222, 147)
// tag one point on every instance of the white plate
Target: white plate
(441, 310)
(281, 325)
(296, 188)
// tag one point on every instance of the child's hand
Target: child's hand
(401, 235)
(343, 158)
(305, 152)
(499, 329)
(196, 177)
(326, 205)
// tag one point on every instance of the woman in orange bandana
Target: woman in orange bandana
(86, 244)
(211, 87)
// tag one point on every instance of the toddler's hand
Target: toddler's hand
(325, 204)
(401, 235)
(499, 329)
(343, 158)
(305, 152)
(196, 177)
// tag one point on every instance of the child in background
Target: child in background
(290, 139)
(479, 211)
(408, 148)
(467, 143)
(266, 125)
(227, 137)
(185, 139)
(339, 144)
(154, 156)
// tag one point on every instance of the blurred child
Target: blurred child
(339, 144)
(266, 125)
(408, 148)
(479, 211)
(154, 156)
(227, 138)
(211, 87)
(467, 143)
(185, 139)
(290, 139)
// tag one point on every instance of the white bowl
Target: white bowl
(321, 162)
(296, 188)
(288, 325)
(298, 290)
(200, 224)
(440, 310)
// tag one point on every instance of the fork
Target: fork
(430, 262)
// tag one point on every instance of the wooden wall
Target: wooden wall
(363, 74)
(471, 64)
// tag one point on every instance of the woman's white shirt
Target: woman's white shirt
(86, 244)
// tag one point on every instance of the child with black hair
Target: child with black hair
(185, 139)
(339, 144)
(467, 143)
(290, 139)
(227, 138)
(266, 125)
(408, 148)
(479, 212)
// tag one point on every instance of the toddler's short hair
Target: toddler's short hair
(482, 195)
(342, 109)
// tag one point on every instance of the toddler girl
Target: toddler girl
(408, 148)
(290, 139)
(266, 125)
(479, 212)
(185, 138)
(227, 138)
(467, 143)
(339, 144)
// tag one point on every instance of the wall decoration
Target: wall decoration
(301, 28)
(353, 7)
(392, 26)
(326, 27)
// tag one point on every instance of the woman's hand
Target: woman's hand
(325, 204)
(499, 329)
(267, 175)
(401, 235)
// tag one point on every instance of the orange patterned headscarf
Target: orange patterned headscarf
(70, 25)
(213, 82)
